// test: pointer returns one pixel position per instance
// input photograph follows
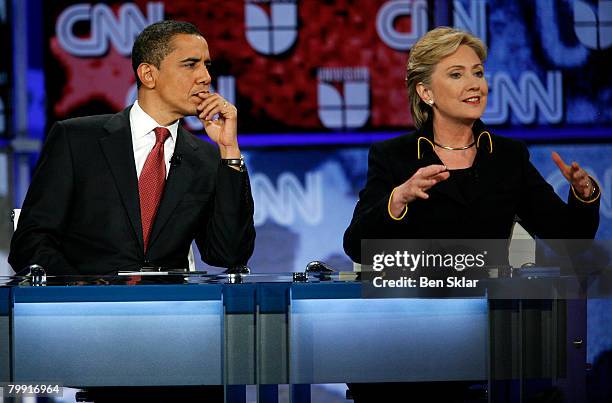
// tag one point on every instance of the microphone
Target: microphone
(319, 267)
(175, 160)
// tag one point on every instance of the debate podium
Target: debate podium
(270, 330)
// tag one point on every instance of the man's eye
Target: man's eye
(189, 64)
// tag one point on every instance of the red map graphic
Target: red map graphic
(105, 79)
(275, 93)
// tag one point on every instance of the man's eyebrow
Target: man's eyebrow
(190, 59)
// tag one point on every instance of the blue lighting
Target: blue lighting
(388, 340)
(119, 343)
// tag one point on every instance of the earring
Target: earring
(430, 102)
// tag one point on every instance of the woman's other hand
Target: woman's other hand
(576, 176)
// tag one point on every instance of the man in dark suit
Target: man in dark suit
(124, 191)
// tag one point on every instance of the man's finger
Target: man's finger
(207, 95)
(207, 100)
(210, 111)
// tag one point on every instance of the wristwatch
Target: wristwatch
(234, 162)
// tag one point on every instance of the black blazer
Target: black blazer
(506, 185)
(82, 210)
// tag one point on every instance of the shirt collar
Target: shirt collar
(143, 123)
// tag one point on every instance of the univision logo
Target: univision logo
(349, 108)
(593, 29)
(271, 33)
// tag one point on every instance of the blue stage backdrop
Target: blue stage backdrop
(304, 199)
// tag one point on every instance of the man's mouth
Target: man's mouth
(195, 94)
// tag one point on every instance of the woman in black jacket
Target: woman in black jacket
(452, 178)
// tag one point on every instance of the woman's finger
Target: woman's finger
(430, 171)
(563, 167)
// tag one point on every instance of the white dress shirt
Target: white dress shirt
(143, 137)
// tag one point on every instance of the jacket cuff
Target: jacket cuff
(594, 197)
(401, 217)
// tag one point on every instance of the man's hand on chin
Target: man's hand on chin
(224, 130)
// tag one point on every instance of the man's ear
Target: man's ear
(147, 73)
(424, 92)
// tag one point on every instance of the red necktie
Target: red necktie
(151, 183)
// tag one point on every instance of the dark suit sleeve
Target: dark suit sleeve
(227, 238)
(545, 215)
(45, 209)
(371, 218)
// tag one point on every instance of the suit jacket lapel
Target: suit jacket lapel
(486, 172)
(484, 163)
(179, 179)
(118, 150)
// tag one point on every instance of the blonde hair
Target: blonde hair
(425, 55)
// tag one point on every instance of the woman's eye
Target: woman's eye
(479, 74)
(455, 75)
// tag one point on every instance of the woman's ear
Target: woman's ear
(424, 93)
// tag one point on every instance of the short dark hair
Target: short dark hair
(155, 43)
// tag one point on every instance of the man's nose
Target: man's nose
(204, 75)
